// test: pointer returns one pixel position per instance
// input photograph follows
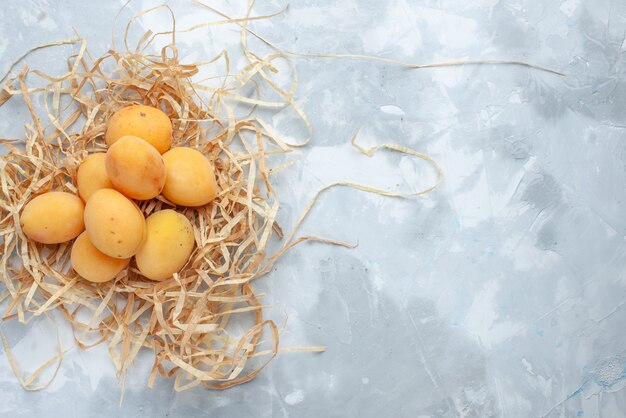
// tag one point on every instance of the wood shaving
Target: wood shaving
(185, 322)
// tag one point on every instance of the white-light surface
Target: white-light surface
(502, 294)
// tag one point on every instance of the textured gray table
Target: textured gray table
(501, 294)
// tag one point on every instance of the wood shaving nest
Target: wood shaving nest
(183, 321)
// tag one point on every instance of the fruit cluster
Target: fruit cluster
(108, 225)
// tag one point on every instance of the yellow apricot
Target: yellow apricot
(92, 175)
(168, 245)
(146, 122)
(189, 180)
(53, 217)
(92, 264)
(135, 168)
(114, 224)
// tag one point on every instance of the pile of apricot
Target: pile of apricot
(105, 221)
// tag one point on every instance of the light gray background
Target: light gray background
(501, 294)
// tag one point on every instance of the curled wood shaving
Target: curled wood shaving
(186, 321)
(55, 361)
(409, 65)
